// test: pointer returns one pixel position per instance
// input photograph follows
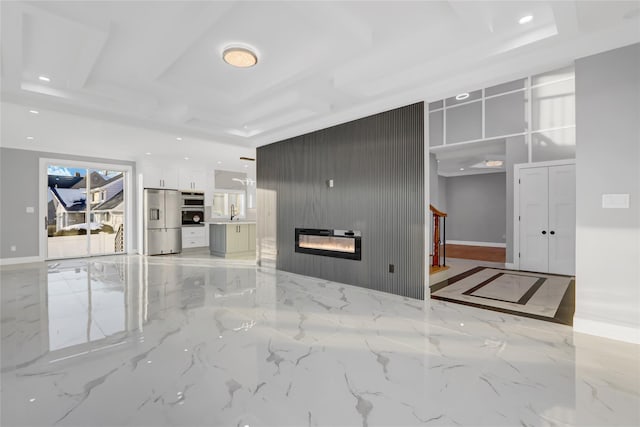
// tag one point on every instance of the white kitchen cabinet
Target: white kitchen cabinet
(160, 177)
(192, 179)
(194, 237)
(232, 239)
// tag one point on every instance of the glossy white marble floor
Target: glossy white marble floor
(180, 341)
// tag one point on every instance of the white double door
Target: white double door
(547, 210)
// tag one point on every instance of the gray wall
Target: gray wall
(434, 182)
(476, 207)
(377, 164)
(442, 194)
(608, 161)
(19, 188)
(516, 152)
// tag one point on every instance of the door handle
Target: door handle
(544, 232)
(45, 222)
(552, 232)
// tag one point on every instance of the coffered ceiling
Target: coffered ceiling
(157, 64)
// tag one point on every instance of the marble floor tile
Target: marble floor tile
(538, 295)
(194, 341)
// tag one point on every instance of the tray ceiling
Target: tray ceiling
(158, 64)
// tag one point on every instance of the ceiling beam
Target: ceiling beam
(566, 17)
(339, 18)
(87, 58)
(197, 19)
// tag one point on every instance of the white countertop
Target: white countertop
(227, 221)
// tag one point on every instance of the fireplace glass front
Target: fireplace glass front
(334, 243)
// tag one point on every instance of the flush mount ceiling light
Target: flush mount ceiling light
(462, 96)
(44, 79)
(525, 19)
(493, 163)
(34, 111)
(240, 57)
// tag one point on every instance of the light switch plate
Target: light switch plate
(615, 201)
(30, 209)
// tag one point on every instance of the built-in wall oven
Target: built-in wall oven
(192, 208)
(190, 199)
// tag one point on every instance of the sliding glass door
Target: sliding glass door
(85, 211)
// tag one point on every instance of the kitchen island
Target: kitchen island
(231, 239)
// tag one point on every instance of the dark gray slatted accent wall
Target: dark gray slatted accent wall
(377, 164)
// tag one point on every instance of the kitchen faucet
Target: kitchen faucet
(233, 211)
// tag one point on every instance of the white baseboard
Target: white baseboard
(20, 260)
(510, 266)
(487, 244)
(607, 330)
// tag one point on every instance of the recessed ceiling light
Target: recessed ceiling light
(493, 163)
(461, 169)
(462, 96)
(34, 111)
(30, 138)
(186, 158)
(240, 57)
(178, 139)
(525, 19)
(148, 153)
(44, 79)
(219, 162)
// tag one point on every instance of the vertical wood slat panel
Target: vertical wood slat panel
(377, 164)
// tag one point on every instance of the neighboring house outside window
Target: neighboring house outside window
(107, 204)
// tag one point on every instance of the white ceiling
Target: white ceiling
(469, 158)
(157, 64)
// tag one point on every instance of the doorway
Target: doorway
(545, 217)
(87, 209)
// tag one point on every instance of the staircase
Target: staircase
(438, 222)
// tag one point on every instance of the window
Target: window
(223, 201)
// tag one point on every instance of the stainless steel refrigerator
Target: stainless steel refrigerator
(162, 222)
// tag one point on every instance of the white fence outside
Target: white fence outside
(71, 246)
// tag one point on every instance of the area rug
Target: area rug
(539, 296)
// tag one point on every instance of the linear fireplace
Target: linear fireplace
(334, 243)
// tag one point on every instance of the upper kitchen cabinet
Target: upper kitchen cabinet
(159, 177)
(190, 179)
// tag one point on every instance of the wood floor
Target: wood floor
(480, 253)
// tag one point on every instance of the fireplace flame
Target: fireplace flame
(328, 243)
